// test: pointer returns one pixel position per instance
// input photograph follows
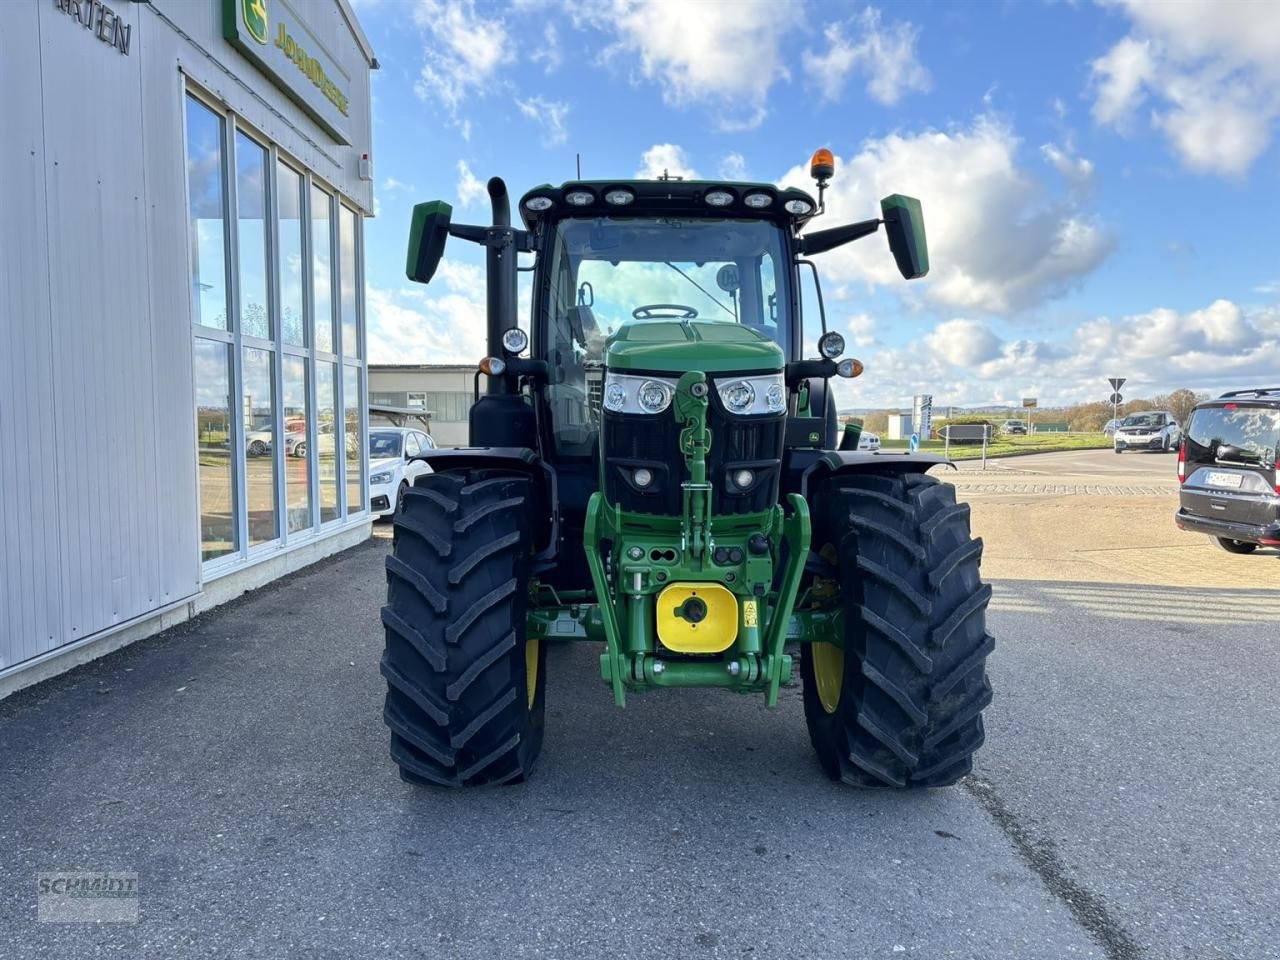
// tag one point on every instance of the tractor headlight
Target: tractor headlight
(626, 394)
(831, 345)
(515, 340)
(753, 396)
(738, 395)
(655, 396)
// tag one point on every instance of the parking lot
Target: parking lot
(1126, 805)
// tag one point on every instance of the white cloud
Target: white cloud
(862, 331)
(668, 158)
(548, 52)
(965, 362)
(391, 183)
(1076, 171)
(724, 55)
(1210, 69)
(470, 187)
(733, 167)
(886, 56)
(443, 322)
(462, 53)
(997, 241)
(548, 114)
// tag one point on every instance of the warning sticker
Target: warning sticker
(749, 613)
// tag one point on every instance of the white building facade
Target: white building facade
(183, 185)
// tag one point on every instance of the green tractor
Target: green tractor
(655, 467)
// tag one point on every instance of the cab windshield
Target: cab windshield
(606, 271)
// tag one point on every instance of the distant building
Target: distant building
(445, 390)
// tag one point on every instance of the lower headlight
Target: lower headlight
(383, 477)
(753, 396)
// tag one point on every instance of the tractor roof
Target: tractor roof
(664, 198)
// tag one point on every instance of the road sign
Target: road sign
(1116, 400)
(922, 414)
(1116, 383)
(1028, 401)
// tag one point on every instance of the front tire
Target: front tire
(465, 687)
(900, 705)
(1236, 546)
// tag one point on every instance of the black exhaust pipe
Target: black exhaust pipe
(500, 276)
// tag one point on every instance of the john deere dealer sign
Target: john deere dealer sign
(270, 34)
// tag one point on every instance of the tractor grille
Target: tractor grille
(632, 441)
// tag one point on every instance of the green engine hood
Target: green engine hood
(673, 345)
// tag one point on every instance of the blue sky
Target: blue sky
(1100, 181)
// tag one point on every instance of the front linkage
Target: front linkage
(706, 586)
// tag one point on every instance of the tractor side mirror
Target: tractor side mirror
(904, 223)
(427, 234)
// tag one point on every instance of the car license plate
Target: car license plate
(1232, 480)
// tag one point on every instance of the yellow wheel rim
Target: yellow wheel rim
(828, 673)
(531, 670)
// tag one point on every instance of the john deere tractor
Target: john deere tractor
(655, 467)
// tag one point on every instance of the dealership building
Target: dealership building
(183, 185)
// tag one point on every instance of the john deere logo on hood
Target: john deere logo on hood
(255, 18)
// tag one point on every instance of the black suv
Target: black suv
(1227, 469)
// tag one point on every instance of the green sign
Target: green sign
(277, 41)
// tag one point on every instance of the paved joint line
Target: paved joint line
(1088, 909)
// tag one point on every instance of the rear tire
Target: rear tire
(1236, 546)
(465, 689)
(901, 705)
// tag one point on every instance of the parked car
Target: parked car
(869, 441)
(1227, 470)
(257, 443)
(392, 469)
(1014, 428)
(1109, 428)
(296, 444)
(1149, 430)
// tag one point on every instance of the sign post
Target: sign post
(1029, 404)
(1116, 400)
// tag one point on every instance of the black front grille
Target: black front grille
(632, 441)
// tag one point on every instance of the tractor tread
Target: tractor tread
(914, 685)
(398, 568)
(480, 665)
(455, 667)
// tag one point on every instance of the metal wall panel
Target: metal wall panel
(97, 428)
(30, 588)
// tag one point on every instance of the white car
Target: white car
(392, 467)
(1149, 430)
(869, 441)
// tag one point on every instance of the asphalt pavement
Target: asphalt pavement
(1124, 807)
(1101, 465)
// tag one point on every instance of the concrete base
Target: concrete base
(226, 587)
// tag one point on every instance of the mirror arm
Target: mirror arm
(798, 371)
(824, 240)
(496, 237)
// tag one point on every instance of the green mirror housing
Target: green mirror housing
(427, 234)
(904, 223)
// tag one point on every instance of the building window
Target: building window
(327, 441)
(207, 216)
(321, 271)
(418, 400)
(296, 405)
(289, 260)
(251, 237)
(351, 415)
(277, 332)
(218, 529)
(257, 370)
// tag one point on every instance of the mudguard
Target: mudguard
(516, 459)
(828, 463)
